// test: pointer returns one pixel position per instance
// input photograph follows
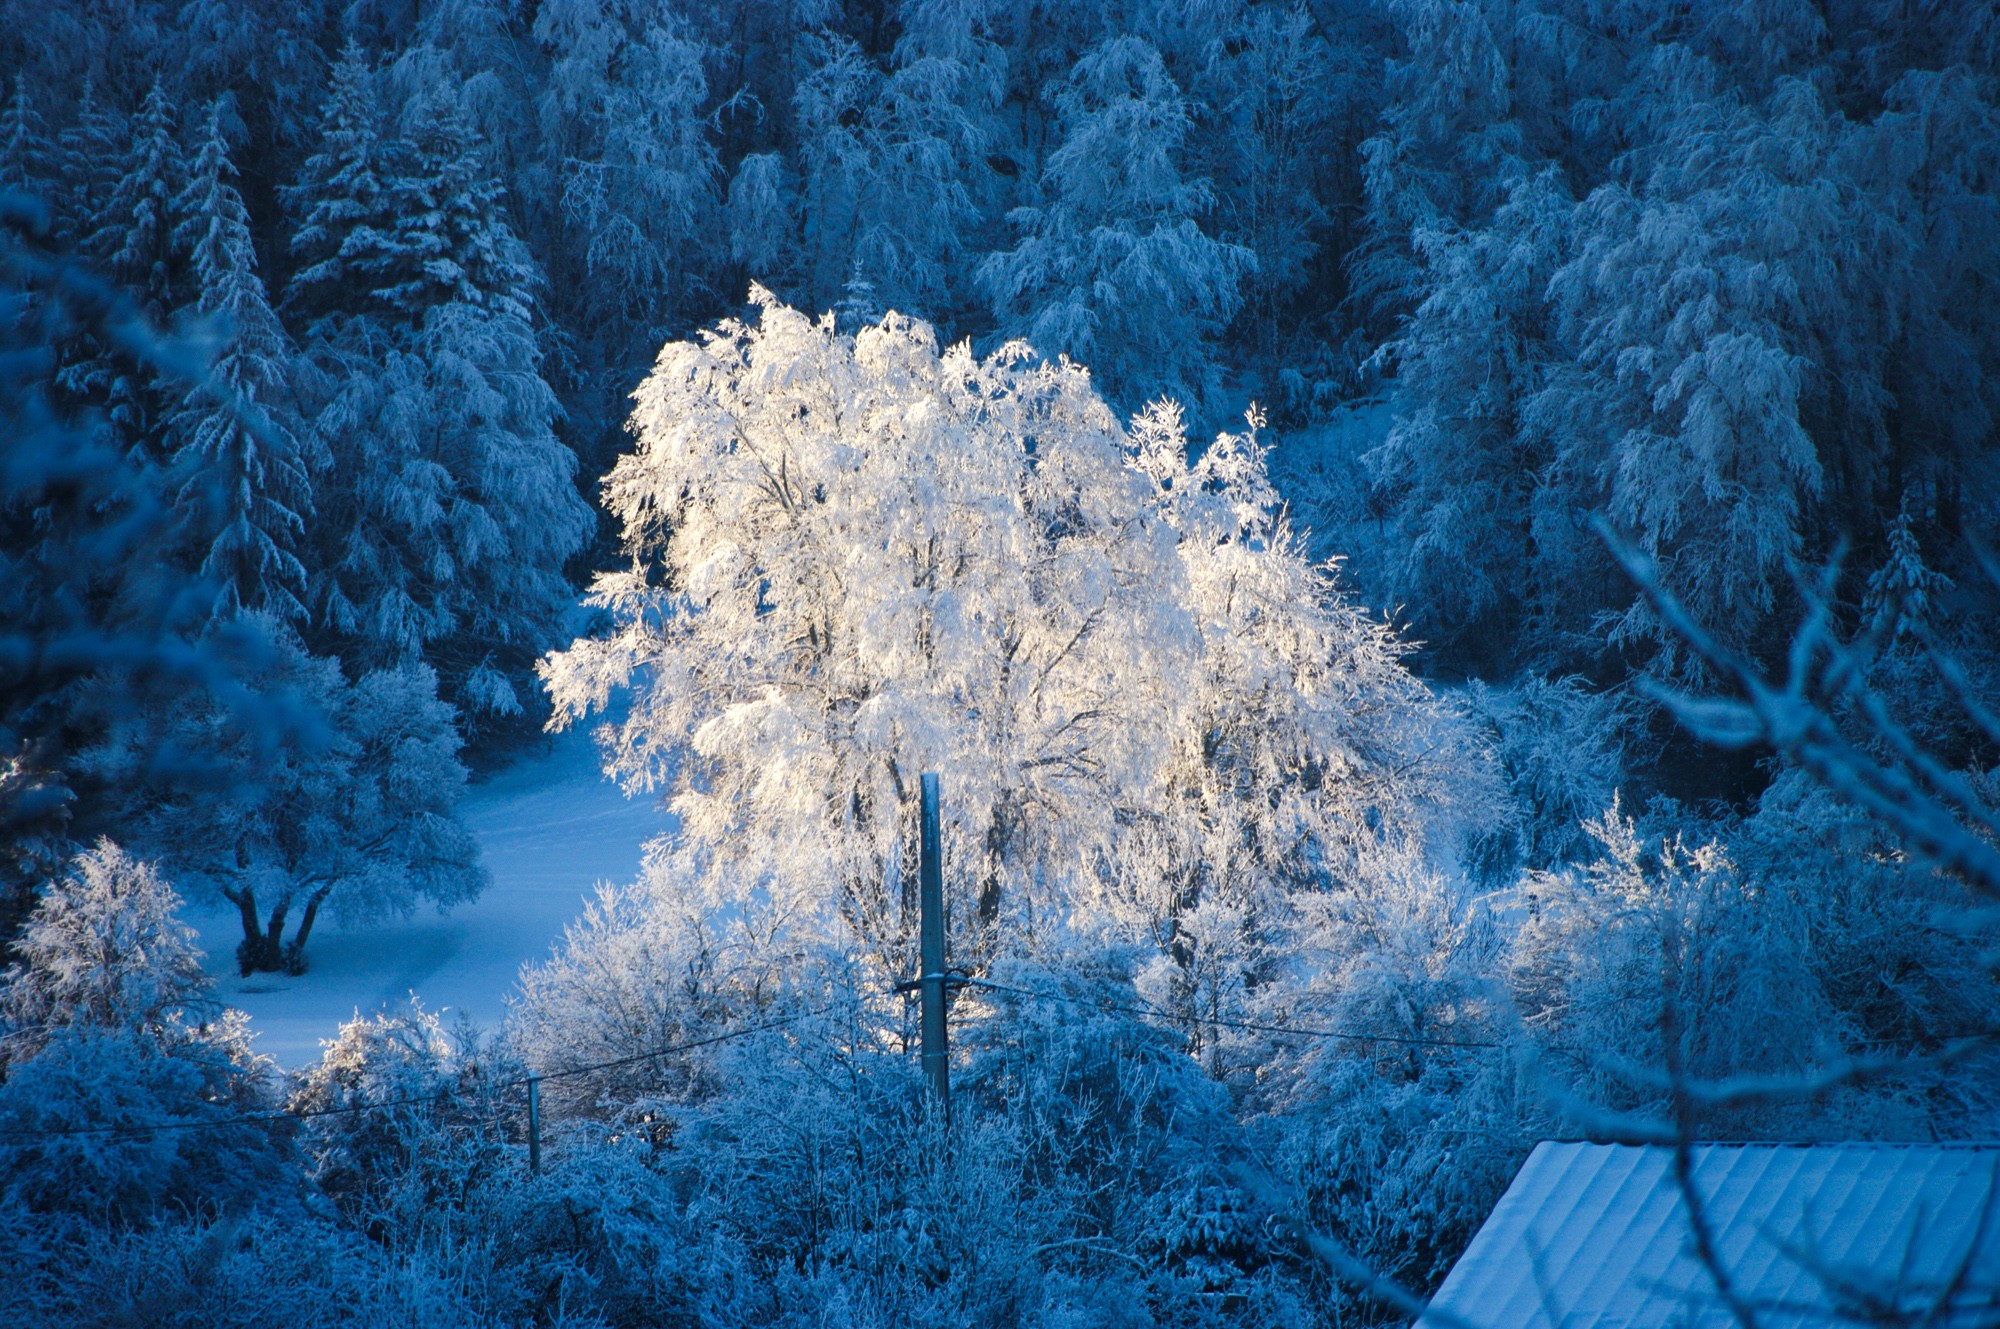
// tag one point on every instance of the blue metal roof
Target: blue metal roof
(1595, 1236)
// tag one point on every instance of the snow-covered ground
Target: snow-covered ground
(550, 827)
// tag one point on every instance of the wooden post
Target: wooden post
(930, 948)
(534, 1124)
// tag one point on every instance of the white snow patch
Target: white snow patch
(550, 829)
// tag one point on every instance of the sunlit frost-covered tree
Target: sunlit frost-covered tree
(856, 558)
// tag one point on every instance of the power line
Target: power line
(351, 1109)
(711, 1040)
(1250, 1025)
(762, 1026)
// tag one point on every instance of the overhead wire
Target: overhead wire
(1252, 1026)
(1144, 1009)
(350, 1109)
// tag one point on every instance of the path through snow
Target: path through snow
(550, 828)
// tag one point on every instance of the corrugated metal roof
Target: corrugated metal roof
(1595, 1236)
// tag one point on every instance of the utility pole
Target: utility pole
(930, 948)
(534, 1124)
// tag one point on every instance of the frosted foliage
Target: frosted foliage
(106, 1020)
(885, 160)
(643, 967)
(1457, 466)
(106, 947)
(1562, 751)
(421, 1147)
(239, 1271)
(621, 115)
(1114, 270)
(1693, 305)
(1447, 135)
(1648, 927)
(1779, 948)
(856, 559)
(759, 214)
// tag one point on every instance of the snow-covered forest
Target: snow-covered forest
(1445, 553)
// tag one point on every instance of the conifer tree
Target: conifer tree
(134, 235)
(131, 241)
(245, 490)
(26, 164)
(87, 157)
(87, 162)
(450, 506)
(450, 240)
(340, 199)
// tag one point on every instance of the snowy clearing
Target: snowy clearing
(550, 829)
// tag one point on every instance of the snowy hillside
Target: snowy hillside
(550, 828)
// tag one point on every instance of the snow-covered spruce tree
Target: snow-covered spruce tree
(448, 507)
(107, 1020)
(27, 158)
(245, 488)
(1113, 268)
(855, 559)
(117, 182)
(339, 199)
(133, 238)
(87, 153)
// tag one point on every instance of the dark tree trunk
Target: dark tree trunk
(255, 953)
(264, 949)
(295, 951)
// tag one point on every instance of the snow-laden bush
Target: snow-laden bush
(1396, 1138)
(1789, 941)
(107, 1023)
(402, 1120)
(1086, 1177)
(203, 1272)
